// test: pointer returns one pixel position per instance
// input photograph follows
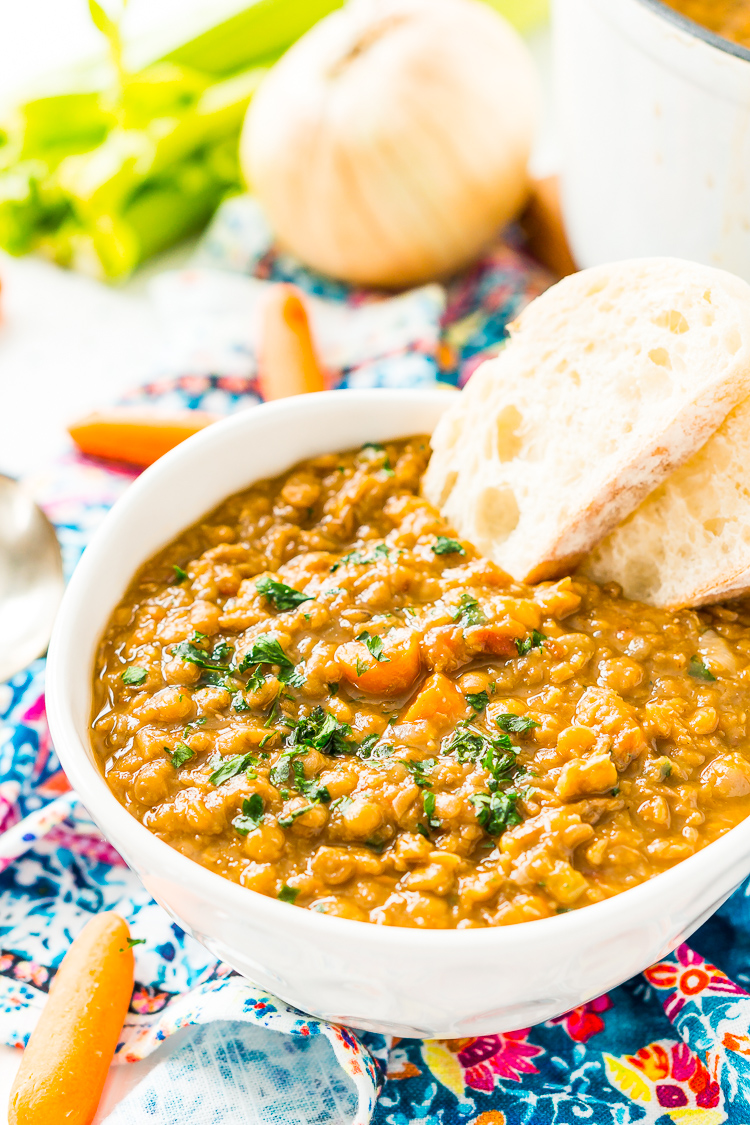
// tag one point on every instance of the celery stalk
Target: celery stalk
(261, 31)
(160, 91)
(75, 122)
(160, 215)
(27, 207)
(103, 180)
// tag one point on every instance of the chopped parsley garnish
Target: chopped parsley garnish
(279, 774)
(237, 763)
(290, 818)
(341, 803)
(466, 742)
(265, 650)
(283, 597)
(419, 771)
(445, 546)
(500, 760)
(496, 811)
(698, 669)
(195, 723)
(181, 754)
(133, 676)
(536, 640)
(372, 747)
(222, 653)
(251, 815)
(311, 789)
(378, 448)
(179, 573)
(216, 661)
(428, 803)
(357, 558)
(515, 724)
(256, 681)
(468, 612)
(323, 731)
(287, 893)
(135, 941)
(215, 679)
(478, 701)
(293, 677)
(375, 647)
(240, 704)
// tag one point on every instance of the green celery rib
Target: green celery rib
(70, 122)
(259, 32)
(104, 180)
(28, 208)
(161, 214)
(160, 90)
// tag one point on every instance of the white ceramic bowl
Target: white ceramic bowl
(409, 982)
(653, 113)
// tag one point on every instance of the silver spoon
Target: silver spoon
(31, 578)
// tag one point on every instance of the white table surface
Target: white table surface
(68, 344)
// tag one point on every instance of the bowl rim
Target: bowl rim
(710, 864)
(697, 30)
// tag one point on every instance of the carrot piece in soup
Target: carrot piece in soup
(391, 672)
(65, 1064)
(439, 700)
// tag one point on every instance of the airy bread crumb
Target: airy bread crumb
(689, 542)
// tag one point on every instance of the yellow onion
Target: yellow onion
(391, 142)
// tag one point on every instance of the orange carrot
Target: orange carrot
(439, 700)
(135, 435)
(392, 675)
(64, 1067)
(287, 363)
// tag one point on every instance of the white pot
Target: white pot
(655, 133)
(447, 983)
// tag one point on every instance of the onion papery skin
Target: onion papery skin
(391, 143)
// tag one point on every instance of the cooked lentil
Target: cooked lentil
(320, 693)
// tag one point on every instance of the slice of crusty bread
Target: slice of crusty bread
(612, 379)
(688, 543)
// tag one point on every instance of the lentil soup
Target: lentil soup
(728, 18)
(320, 693)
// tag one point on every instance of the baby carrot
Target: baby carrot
(135, 435)
(287, 363)
(65, 1064)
